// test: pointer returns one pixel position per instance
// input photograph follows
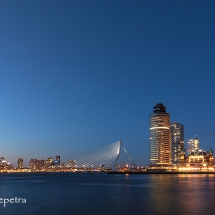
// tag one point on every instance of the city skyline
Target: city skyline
(158, 119)
(76, 76)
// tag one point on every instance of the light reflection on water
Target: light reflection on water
(117, 185)
(101, 194)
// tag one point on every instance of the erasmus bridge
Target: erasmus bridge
(105, 157)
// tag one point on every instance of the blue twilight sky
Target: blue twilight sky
(78, 75)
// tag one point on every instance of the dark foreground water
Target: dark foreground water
(103, 194)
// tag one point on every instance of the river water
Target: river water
(104, 194)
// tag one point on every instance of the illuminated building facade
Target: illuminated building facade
(177, 137)
(37, 164)
(20, 163)
(48, 162)
(41, 164)
(159, 132)
(199, 158)
(3, 163)
(10, 166)
(63, 164)
(57, 160)
(189, 145)
(71, 163)
(33, 164)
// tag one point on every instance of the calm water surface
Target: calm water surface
(103, 194)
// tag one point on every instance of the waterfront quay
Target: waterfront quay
(152, 169)
(162, 172)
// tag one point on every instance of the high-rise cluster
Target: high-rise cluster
(160, 142)
(166, 140)
(37, 164)
(167, 143)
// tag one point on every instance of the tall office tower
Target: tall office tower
(50, 160)
(196, 144)
(177, 136)
(190, 145)
(58, 159)
(20, 163)
(160, 142)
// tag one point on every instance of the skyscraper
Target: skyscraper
(20, 163)
(189, 145)
(177, 136)
(160, 142)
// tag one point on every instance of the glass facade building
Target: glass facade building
(159, 132)
(177, 136)
(189, 145)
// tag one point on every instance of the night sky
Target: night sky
(78, 75)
